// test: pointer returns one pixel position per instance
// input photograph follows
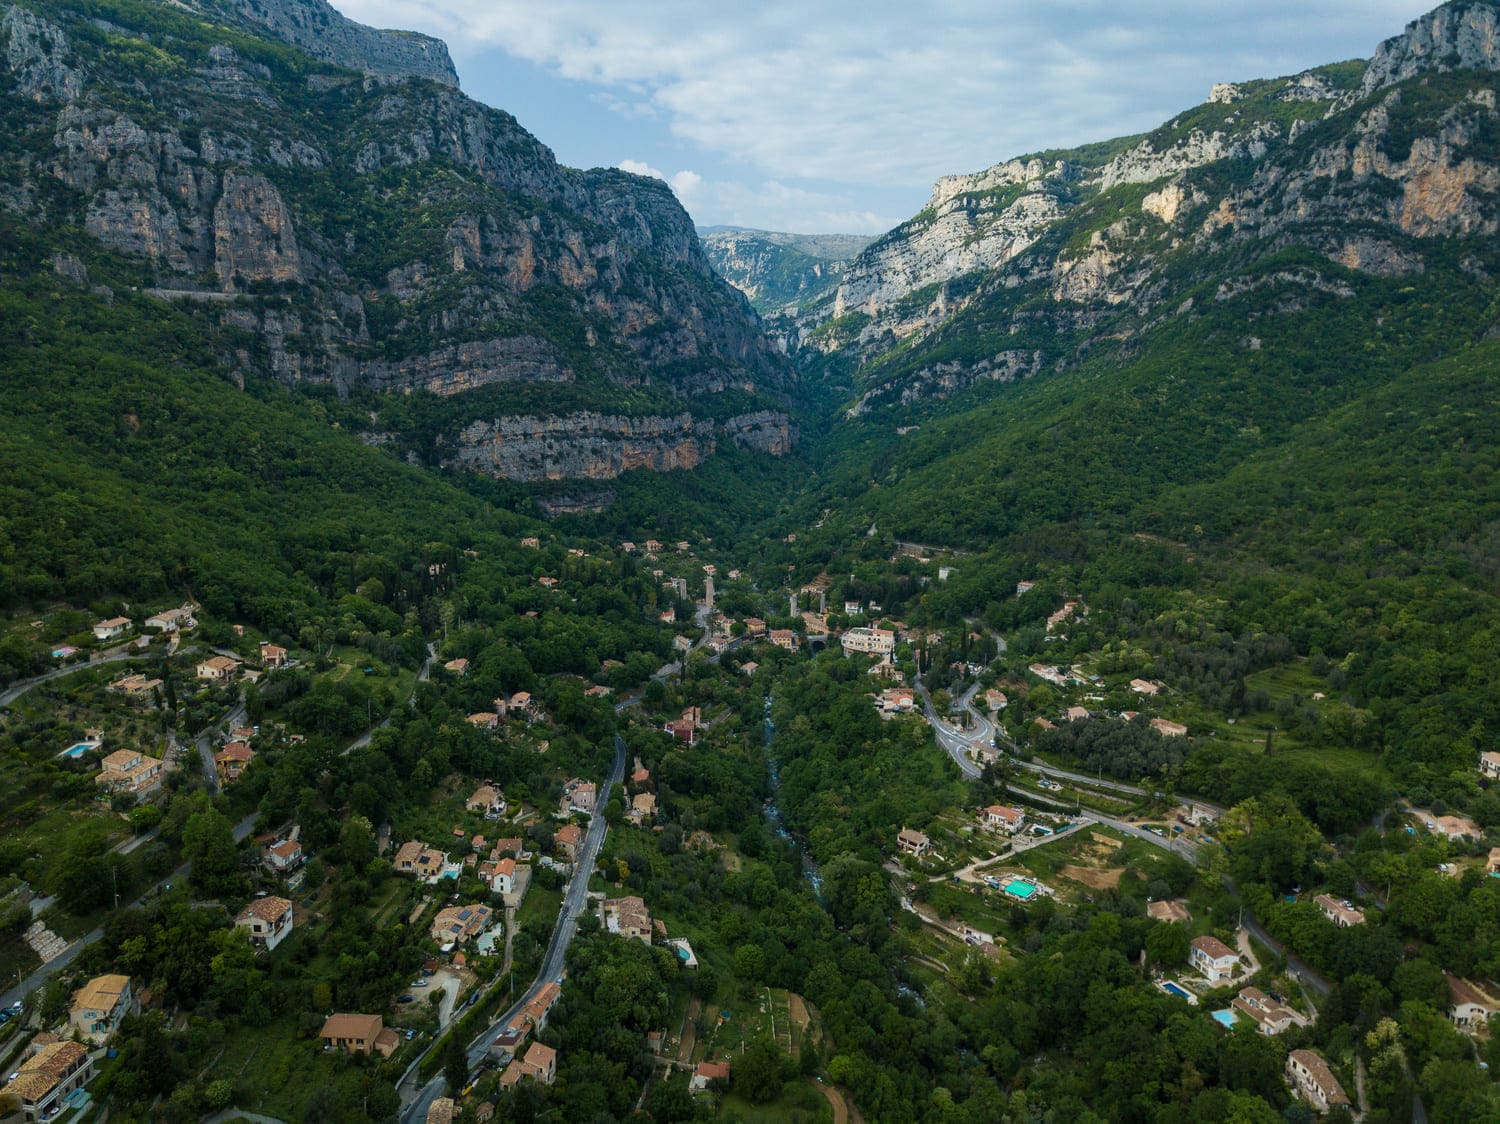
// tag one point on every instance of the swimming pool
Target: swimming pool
(1020, 888)
(74, 752)
(1224, 1018)
(1175, 989)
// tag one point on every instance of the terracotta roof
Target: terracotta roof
(364, 1028)
(712, 1071)
(1466, 991)
(540, 1056)
(1213, 946)
(266, 909)
(1321, 1075)
(101, 993)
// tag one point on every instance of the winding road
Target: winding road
(575, 898)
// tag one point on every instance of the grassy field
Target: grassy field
(539, 903)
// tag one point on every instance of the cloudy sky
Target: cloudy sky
(825, 116)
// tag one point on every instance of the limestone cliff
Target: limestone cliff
(1027, 266)
(776, 270)
(358, 221)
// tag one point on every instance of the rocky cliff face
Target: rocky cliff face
(360, 219)
(1027, 266)
(595, 446)
(776, 270)
(317, 28)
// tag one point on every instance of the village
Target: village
(480, 877)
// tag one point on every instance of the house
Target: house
(284, 856)
(582, 796)
(1168, 729)
(268, 921)
(682, 729)
(458, 667)
(500, 874)
(130, 771)
(755, 628)
(912, 842)
(442, 1111)
(531, 542)
(218, 669)
(1076, 714)
(521, 703)
(1269, 1016)
(135, 686)
(1043, 724)
(568, 840)
(272, 655)
(668, 616)
(487, 800)
(508, 1043)
(1313, 1081)
(706, 1072)
(417, 858)
(628, 917)
(456, 924)
(358, 1034)
(108, 630)
(597, 691)
(1000, 817)
(1489, 765)
(100, 1005)
(868, 641)
(540, 1063)
(749, 668)
(1144, 687)
(1470, 1006)
(643, 805)
(1063, 614)
(653, 547)
(995, 699)
(1049, 674)
(172, 620)
(897, 700)
(854, 609)
(1023, 588)
(785, 638)
(1168, 911)
(1341, 913)
(1493, 866)
(1215, 959)
(230, 761)
(547, 582)
(539, 1006)
(640, 776)
(51, 1073)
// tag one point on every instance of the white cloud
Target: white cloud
(639, 168)
(890, 94)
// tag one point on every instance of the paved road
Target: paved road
(20, 687)
(205, 742)
(574, 900)
(46, 971)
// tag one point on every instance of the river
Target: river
(773, 815)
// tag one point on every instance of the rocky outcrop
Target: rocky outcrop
(253, 236)
(378, 233)
(776, 270)
(38, 57)
(1146, 164)
(1463, 35)
(594, 446)
(317, 28)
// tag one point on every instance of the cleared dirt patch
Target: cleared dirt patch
(1096, 878)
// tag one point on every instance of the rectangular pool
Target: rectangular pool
(1176, 989)
(1224, 1018)
(74, 752)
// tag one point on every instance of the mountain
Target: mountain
(333, 212)
(1371, 170)
(780, 271)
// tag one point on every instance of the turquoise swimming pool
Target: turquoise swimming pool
(1020, 888)
(1224, 1018)
(77, 750)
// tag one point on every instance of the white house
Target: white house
(1470, 1006)
(879, 641)
(268, 921)
(1489, 765)
(172, 620)
(108, 630)
(1004, 819)
(1215, 959)
(1313, 1081)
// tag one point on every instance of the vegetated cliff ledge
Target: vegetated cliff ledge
(593, 446)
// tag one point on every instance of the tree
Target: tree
(758, 1072)
(1167, 945)
(208, 843)
(455, 1065)
(670, 1102)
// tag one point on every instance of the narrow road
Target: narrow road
(205, 742)
(52, 967)
(574, 900)
(20, 687)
